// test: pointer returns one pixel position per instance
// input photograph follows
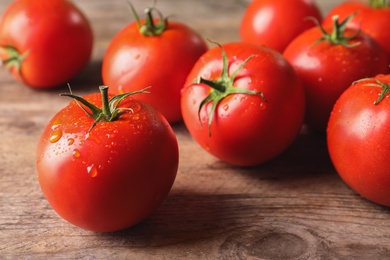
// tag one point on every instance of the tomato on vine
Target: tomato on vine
(243, 103)
(44, 43)
(359, 139)
(153, 52)
(106, 168)
(328, 59)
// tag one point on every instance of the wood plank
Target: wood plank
(294, 207)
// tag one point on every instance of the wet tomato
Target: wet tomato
(243, 103)
(359, 139)
(153, 52)
(106, 169)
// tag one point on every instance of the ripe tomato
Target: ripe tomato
(276, 23)
(112, 175)
(44, 43)
(372, 18)
(328, 60)
(244, 112)
(359, 139)
(156, 53)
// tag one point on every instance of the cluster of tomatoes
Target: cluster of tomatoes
(108, 159)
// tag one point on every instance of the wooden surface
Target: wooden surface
(294, 207)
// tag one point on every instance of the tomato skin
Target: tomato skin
(275, 23)
(55, 36)
(115, 175)
(359, 140)
(327, 69)
(134, 61)
(373, 21)
(246, 130)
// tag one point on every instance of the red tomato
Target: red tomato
(44, 43)
(359, 139)
(372, 18)
(159, 55)
(276, 23)
(254, 110)
(328, 62)
(112, 176)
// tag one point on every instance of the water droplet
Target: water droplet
(55, 136)
(92, 138)
(70, 141)
(136, 117)
(263, 105)
(225, 107)
(76, 153)
(92, 171)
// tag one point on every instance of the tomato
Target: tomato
(247, 105)
(156, 53)
(276, 23)
(44, 43)
(108, 170)
(359, 139)
(328, 60)
(372, 18)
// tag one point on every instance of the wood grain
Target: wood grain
(294, 207)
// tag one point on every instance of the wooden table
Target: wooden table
(294, 207)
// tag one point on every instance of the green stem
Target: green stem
(105, 103)
(379, 4)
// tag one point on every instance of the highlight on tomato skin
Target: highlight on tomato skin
(275, 23)
(243, 103)
(358, 138)
(108, 169)
(45, 44)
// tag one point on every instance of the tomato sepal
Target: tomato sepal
(11, 58)
(337, 35)
(150, 28)
(223, 87)
(376, 83)
(109, 111)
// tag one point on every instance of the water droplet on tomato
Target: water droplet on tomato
(76, 153)
(226, 107)
(70, 141)
(91, 137)
(263, 105)
(55, 136)
(92, 171)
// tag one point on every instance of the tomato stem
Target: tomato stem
(110, 110)
(150, 28)
(223, 87)
(379, 4)
(337, 35)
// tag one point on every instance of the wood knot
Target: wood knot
(267, 244)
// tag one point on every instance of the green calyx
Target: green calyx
(150, 28)
(14, 58)
(376, 83)
(223, 87)
(110, 110)
(337, 35)
(379, 4)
